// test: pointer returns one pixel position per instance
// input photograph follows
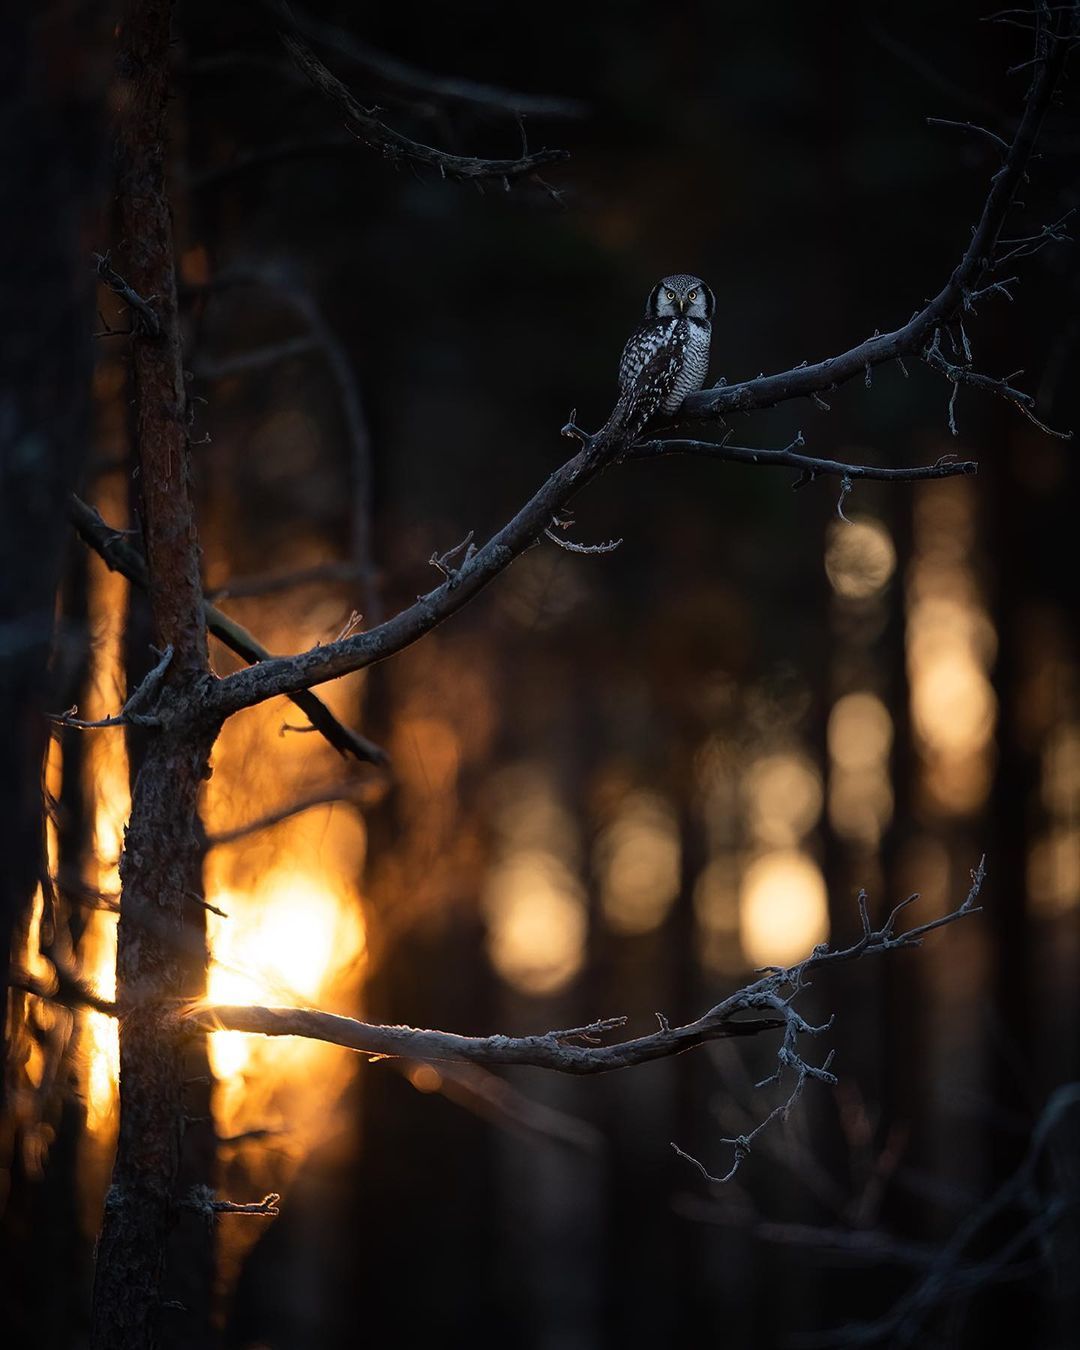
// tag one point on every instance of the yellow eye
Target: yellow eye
(692, 295)
(670, 295)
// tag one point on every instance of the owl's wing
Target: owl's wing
(650, 364)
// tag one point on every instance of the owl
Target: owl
(665, 359)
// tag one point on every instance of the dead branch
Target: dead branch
(948, 466)
(359, 795)
(955, 1271)
(790, 1065)
(443, 89)
(563, 1051)
(980, 256)
(201, 1200)
(122, 556)
(270, 583)
(494, 1099)
(64, 988)
(395, 147)
(319, 337)
(289, 674)
(131, 713)
(146, 315)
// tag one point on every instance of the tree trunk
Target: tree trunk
(52, 125)
(161, 850)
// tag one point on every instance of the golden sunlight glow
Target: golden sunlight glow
(859, 558)
(860, 736)
(283, 942)
(951, 646)
(1061, 772)
(108, 788)
(1054, 871)
(716, 908)
(783, 908)
(784, 798)
(295, 932)
(638, 859)
(533, 902)
(860, 731)
(536, 922)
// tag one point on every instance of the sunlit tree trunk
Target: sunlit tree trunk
(162, 845)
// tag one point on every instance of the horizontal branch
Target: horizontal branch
(122, 556)
(359, 795)
(579, 1051)
(397, 148)
(64, 988)
(948, 466)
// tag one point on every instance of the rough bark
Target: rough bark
(161, 851)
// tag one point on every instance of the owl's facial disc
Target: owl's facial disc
(681, 295)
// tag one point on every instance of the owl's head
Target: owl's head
(680, 295)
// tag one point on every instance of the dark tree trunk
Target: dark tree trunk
(50, 104)
(162, 847)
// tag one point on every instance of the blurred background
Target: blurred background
(619, 783)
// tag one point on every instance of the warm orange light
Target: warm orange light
(1054, 871)
(784, 798)
(783, 908)
(638, 858)
(536, 922)
(716, 908)
(859, 558)
(860, 793)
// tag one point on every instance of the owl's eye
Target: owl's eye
(692, 295)
(670, 295)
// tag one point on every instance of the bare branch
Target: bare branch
(395, 147)
(806, 381)
(123, 557)
(771, 995)
(789, 1061)
(952, 1273)
(973, 127)
(269, 583)
(948, 466)
(146, 316)
(201, 1200)
(963, 374)
(223, 367)
(288, 674)
(130, 714)
(65, 988)
(321, 337)
(445, 89)
(494, 1099)
(360, 795)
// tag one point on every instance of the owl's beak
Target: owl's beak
(682, 305)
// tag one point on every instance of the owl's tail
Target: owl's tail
(623, 427)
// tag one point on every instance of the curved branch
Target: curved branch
(445, 89)
(577, 1051)
(948, 466)
(392, 145)
(121, 556)
(978, 259)
(286, 675)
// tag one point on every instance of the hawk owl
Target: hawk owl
(664, 360)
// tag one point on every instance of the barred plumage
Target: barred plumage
(664, 360)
